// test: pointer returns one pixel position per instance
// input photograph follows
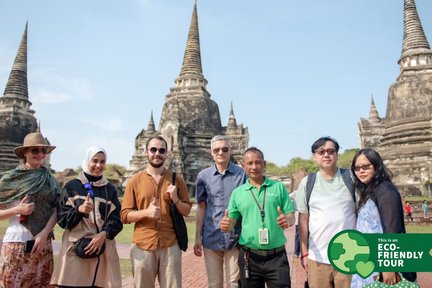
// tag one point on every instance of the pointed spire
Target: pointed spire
(192, 68)
(415, 49)
(151, 125)
(373, 113)
(232, 122)
(17, 85)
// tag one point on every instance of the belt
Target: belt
(263, 253)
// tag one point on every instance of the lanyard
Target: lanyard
(259, 207)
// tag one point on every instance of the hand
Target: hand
(87, 206)
(282, 219)
(40, 242)
(96, 243)
(198, 247)
(172, 192)
(153, 211)
(25, 208)
(390, 278)
(225, 222)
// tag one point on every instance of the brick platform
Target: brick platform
(194, 275)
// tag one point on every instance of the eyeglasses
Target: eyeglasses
(363, 167)
(224, 150)
(329, 151)
(154, 150)
(38, 150)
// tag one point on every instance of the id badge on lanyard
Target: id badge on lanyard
(263, 236)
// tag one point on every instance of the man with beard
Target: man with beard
(146, 202)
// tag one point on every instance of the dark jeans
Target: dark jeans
(297, 241)
(272, 270)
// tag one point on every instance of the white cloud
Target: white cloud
(46, 96)
(61, 89)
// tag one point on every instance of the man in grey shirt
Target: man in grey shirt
(213, 191)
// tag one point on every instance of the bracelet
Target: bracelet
(305, 255)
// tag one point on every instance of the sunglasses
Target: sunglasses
(363, 167)
(329, 151)
(154, 150)
(224, 150)
(38, 150)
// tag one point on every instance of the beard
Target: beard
(155, 165)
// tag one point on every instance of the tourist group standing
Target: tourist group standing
(240, 218)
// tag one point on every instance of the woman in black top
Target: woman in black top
(89, 207)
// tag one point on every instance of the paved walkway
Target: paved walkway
(194, 275)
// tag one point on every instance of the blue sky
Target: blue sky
(294, 70)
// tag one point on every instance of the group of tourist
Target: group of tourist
(240, 218)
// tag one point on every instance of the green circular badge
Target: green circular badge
(349, 252)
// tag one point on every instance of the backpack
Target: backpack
(346, 176)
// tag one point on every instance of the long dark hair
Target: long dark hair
(369, 191)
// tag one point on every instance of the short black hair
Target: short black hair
(321, 142)
(254, 150)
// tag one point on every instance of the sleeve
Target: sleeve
(389, 205)
(287, 204)
(200, 191)
(233, 211)
(113, 224)
(183, 193)
(300, 197)
(68, 215)
(128, 203)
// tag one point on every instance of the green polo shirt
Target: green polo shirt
(242, 204)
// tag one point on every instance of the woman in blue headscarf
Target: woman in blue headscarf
(89, 208)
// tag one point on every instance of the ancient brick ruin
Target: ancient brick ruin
(404, 136)
(189, 119)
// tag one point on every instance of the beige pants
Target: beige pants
(163, 263)
(322, 275)
(214, 262)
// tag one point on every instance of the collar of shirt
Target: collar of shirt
(230, 169)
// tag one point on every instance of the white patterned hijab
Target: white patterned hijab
(91, 152)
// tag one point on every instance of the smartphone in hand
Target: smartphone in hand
(28, 246)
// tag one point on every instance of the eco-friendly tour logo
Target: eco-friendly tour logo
(351, 251)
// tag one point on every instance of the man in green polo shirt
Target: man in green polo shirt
(265, 210)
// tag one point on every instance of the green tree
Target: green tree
(113, 169)
(345, 159)
(300, 164)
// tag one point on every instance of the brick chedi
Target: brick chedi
(16, 117)
(371, 128)
(406, 140)
(189, 119)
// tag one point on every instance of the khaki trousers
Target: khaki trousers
(214, 262)
(163, 263)
(321, 275)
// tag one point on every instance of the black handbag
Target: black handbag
(81, 244)
(179, 222)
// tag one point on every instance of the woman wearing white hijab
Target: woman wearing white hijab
(89, 208)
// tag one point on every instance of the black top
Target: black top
(68, 215)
